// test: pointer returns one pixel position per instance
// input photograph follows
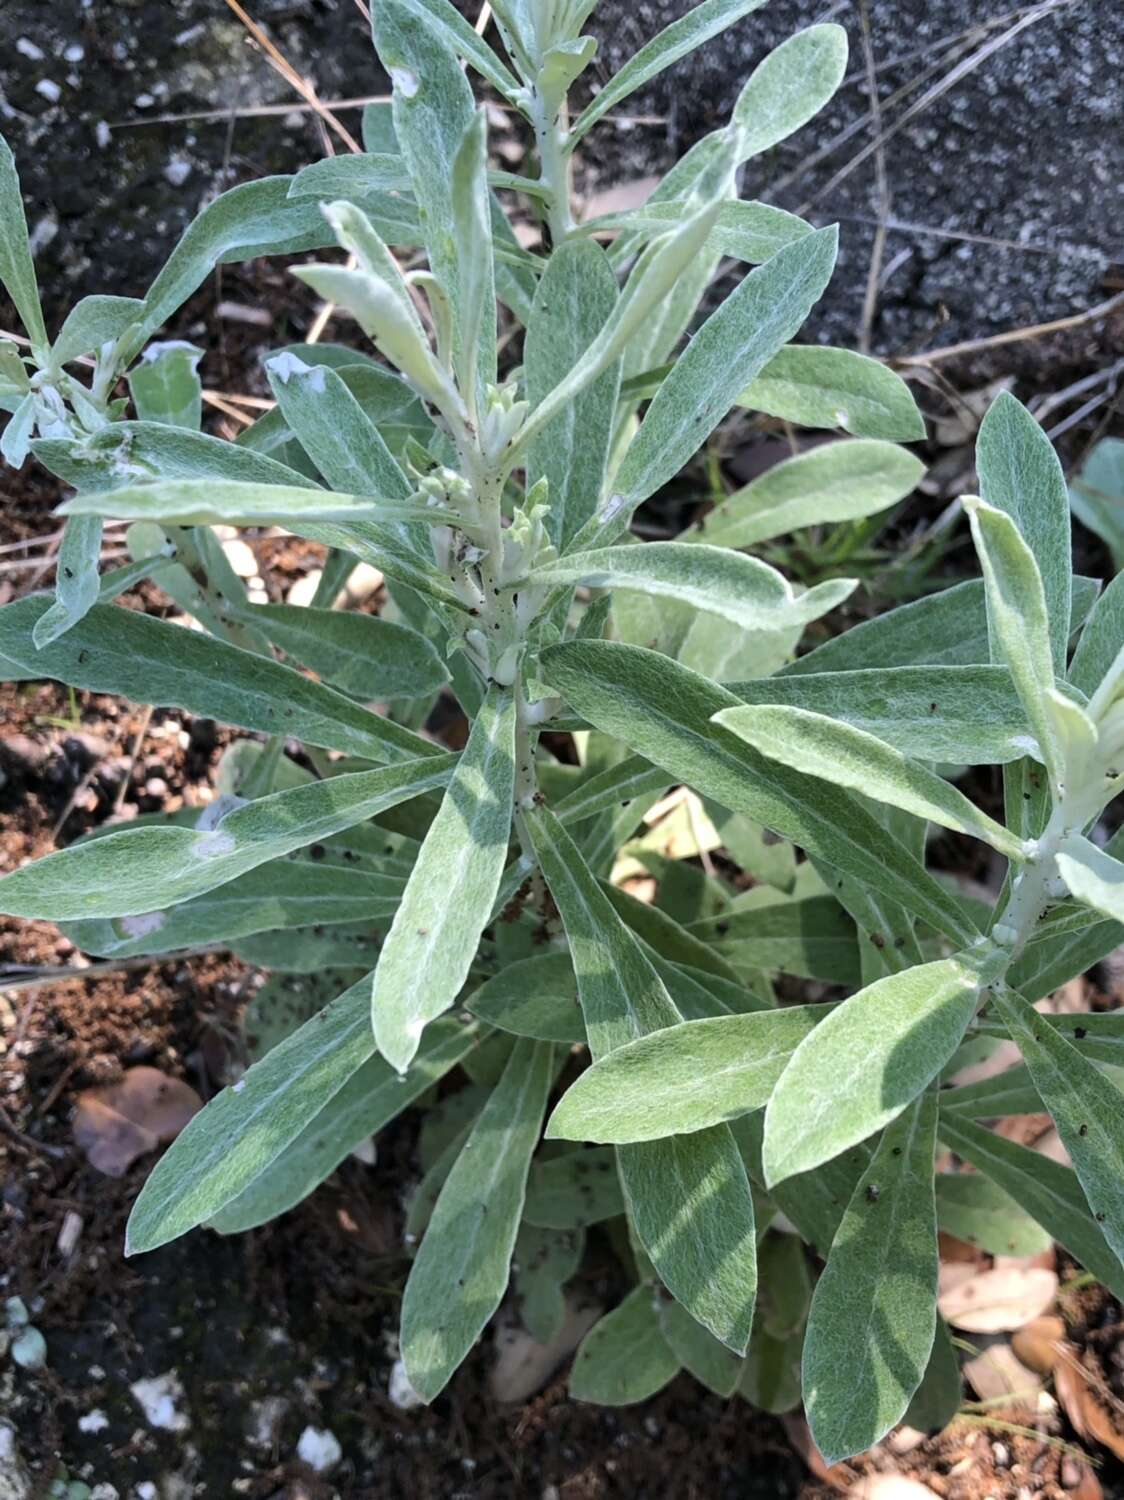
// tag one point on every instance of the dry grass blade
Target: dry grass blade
(1012, 335)
(878, 247)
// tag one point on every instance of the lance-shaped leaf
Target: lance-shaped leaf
(476, 302)
(683, 1078)
(745, 230)
(140, 870)
(663, 711)
(704, 1249)
(812, 937)
(850, 757)
(449, 896)
(231, 1142)
(1020, 474)
(78, 585)
(1018, 623)
(1050, 1193)
(574, 301)
(1011, 1092)
(574, 1190)
(961, 715)
(17, 270)
(937, 1399)
(946, 629)
(462, 1269)
(813, 386)
(1095, 491)
(790, 85)
(165, 385)
(461, 38)
(284, 894)
(629, 779)
(360, 654)
(874, 1310)
(698, 26)
(121, 651)
(536, 997)
(15, 440)
(741, 589)
(1101, 639)
(334, 430)
(1093, 876)
(433, 108)
(1087, 1109)
(92, 322)
(861, 1067)
(545, 1259)
(197, 502)
(624, 1358)
(978, 1211)
(373, 1096)
(698, 1351)
(833, 482)
(727, 352)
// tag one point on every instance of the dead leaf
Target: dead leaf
(998, 1301)
(1036, 1344)
(523, 1365)
(1086, 1410)
(115, 1124)
(997, 1372)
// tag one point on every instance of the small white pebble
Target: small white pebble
(93, 1421)
(401, 1392)
(27, 48)
(319, 1449)
(49, 89)
(146, 1490)
(177, 169)
(145, 101)
(29, 1349)
(74, 53)
(158, 1398)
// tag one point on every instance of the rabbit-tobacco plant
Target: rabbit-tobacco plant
(467, 896)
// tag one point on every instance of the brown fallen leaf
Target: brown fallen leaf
(115, 1124)
(1087, 1409)
(999, 1300)
(1036, 1344)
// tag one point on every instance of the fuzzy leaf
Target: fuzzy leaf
(92, 322)
(624, 1358)
(790, 85)
(535, 997)
(17, 270)
(1093, 876)
(976, 1210)
(78, 586)
(813, 386)
(165, 385)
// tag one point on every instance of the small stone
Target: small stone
(27, 48)
(319, 1449)
(48, 89)
(93, 1421)
(16, 1313)
(158, 1398)
(401, 1392)
(29, 1349)
(177, 169)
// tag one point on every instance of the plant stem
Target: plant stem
(551, 128)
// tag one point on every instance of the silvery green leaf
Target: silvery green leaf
(574, 301)
(92, 322)
(770, 1379)
(1093, 876)
(840, 754)
(17, 270)
(14, 379)
(664, 936)
(156, 867)
(728, 351)
(832, 482)
(373, 1096)
(743, 590)
(815, 1201)
(574, 1190)
(945, 629)
(232, 1141)
(433, 107)
(461, 1271)
(959, 715)
(744, 230)
(1050, 1193)
(861, 1067)
(663, 711)
(449, 897)
(790, 85)
(937, 1399)
(137, 656)
(440, 18)
(278, 894)
(193, 502)
(1011, 1092)
(475, 304)
(874, 1311)
(78, 586)
(698, 26)
(976, 1210)
(124, 453)
(813, 386)
(698, 1351)
(1086, 1108)
(283, 1004)
(535, 997)
(683, 1078)
(812, 937)
(334, 430)
(346, 176)
(165, 385)
(786, 1285)
(311, 950)
(624, 1358)
(1101, 639)
(629, 779)
(1096, 491)
(705, 1250)
(1020, 474)
(1018, 623)
(545, 1259)
(363, 655)
(15, 440)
